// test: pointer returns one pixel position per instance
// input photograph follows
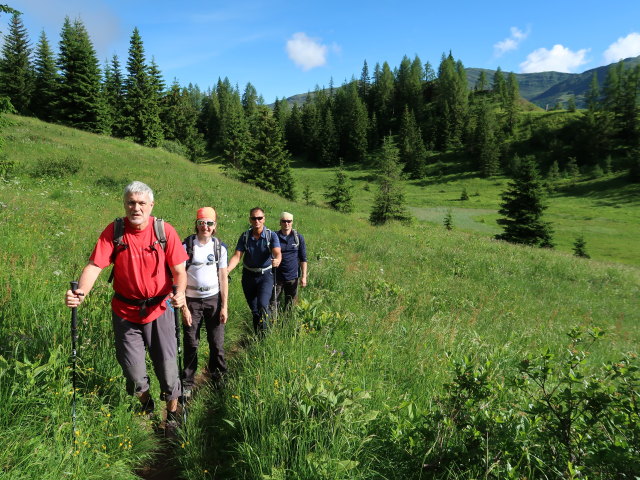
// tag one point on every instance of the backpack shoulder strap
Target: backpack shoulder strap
(118, 243)
(158, 229)
(188, 242)
(296, 238)
(217, 250)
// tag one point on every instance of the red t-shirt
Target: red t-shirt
(140, 270)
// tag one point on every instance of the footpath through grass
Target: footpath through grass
(359, 382)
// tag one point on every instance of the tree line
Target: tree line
(427, 114)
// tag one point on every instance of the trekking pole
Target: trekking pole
(74, 338)
(176, 313)
(275, 296)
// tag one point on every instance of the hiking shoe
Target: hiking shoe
(171, 425)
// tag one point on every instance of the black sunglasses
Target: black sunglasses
(253, 219)
(286, 221)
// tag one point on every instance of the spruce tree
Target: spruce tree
(294, 131)
(16, 71)
(389, 202)
(412, 150)
(267, 166)
(451, 103)
(352, 124)
(179, 121)
(80, 102)
(522, 208)
(448, 220)
(580, 247)
(114, 95)
(328, 154)
(142, 109)
(339, 194)
(45, 81)
(486, 141)
(511, 105)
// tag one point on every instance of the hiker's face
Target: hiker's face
(138, 208)
(257, 218)
(286, 225)
(206, 227)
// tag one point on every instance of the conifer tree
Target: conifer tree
(593, 94)
(451, 103)
(142, 109)
(412, 150)
(511, 106)
(448, 220)
(79, 103)
(339, 194)
(281, 112)
(311, 123)
(389, 202)
(382, 94)
(294, 131)
(328, 140)
(236, 141)
(481, 83)
(351, 123)
(522, 208)
(267, 166)
(114, 95)
(364, 86)
(499, 86)
(488, 153)
(580, 247)
(179, 121)
(16, 71)
(45, 82)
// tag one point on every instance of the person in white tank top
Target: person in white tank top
(207, 293)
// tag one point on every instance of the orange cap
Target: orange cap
(206, 212)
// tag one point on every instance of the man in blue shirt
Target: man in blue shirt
(260, 248)
(293, 268)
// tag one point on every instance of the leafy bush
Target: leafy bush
(7, 168)
(56, 167)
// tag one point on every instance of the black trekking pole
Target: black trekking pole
(275, 297)
(74, 338)
(180, 369)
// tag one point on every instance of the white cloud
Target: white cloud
(558, 59)
(510, 43)
(306, 52)
(626, 47)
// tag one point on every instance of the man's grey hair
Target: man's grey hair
(138, 187)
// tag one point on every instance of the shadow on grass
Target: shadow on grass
(610, 191)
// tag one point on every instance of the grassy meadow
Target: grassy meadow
(415, 352)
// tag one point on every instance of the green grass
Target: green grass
(605, 211)
(345, 387)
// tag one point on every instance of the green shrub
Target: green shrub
(56, 167)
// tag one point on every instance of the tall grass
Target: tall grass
(344, 387)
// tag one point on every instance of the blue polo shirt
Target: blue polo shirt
(292, 255)
(256, 252)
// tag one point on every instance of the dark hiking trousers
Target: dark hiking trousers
(258, 288)
(159, 337)
(204, 311)
(290, 289)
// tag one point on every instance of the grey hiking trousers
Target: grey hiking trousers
(159, 337)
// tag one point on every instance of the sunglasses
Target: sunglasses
(286, 221)
(202, 223)
(253, 219)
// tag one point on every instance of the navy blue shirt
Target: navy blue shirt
(256, 252)
(292, 255)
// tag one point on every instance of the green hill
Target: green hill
(401, 361)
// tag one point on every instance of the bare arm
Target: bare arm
(180, 280)
(276, 252)
(223, 279)
(235, 259)
(303, 278)
(88, 277)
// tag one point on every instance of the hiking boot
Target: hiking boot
(171, 425)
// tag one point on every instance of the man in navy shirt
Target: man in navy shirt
(293, 268)
(260, 248)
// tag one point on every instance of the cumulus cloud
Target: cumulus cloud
(306, 52)
(558, 59)
(626, 47)
(510, 43)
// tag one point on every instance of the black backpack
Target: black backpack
(119, 245)
(189, 241)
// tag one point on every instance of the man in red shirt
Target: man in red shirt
(142, 283)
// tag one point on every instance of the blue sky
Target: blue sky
(286, 48)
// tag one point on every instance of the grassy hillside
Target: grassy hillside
(360, 382)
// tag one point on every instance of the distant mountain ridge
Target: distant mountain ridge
(543, 89)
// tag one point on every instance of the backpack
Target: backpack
(296, 239)
(269, 237)
(189, 241)
(119, 245)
